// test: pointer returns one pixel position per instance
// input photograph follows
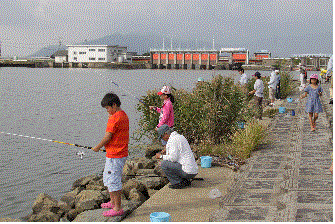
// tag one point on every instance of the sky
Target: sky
(282, 26)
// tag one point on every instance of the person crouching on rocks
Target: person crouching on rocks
(179, 163)
(116, 141)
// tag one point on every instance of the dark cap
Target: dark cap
(162, 130)
(257, 74)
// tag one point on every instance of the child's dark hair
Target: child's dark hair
(110, 99)
(317, 81)
(171, 97)
(241, 70)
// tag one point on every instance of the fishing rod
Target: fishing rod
(128, 92)
(79, 153)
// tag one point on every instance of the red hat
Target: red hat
(165, 90)
(314, 76)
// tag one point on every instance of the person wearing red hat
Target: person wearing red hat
(166, 111)
(313, 104)
(258, 91)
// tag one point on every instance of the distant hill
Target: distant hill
(137, 43)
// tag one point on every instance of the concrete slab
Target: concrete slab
(190, 204)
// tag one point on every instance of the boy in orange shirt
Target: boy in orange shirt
(116, 144)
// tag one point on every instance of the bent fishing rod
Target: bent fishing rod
(79, 153)
(128, 92)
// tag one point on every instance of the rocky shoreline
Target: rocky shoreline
(142, 178)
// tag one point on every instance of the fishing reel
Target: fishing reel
(80, 154)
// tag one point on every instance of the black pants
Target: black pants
(278, 95)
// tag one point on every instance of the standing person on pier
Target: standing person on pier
(303, 78)
(330, 77)
(313, 104)
(278, 95)
(244, 79)
(272, 86)
(258, 91)
(166, 111)
(116, 141)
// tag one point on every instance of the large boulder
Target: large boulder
(151, 150)
(6, 219)
(45, 202)
(97, 185)
(72, 214)
(144, 163)
(82, 182)
(128, 169)
(135, 195)
(153, 182)
(146, 172)
(88, 199)
(69, 197)
(135, 184)
(44, 216)
(64, 208)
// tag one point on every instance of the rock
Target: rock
(95, 187)
(72, 214)
(146, 163)
(158, 171)
(69, 197)
(106, 195)
(135, 195)
(96, 215)
(151, 192)
(135, 184)
(146, 172)
(6, 219)
(44, 216)
(64, 208)
(151, 150)
(82, 182)
(128, 170)
(45, 202)
(88, 199)
(153, 182)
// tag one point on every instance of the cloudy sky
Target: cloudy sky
(293, 26)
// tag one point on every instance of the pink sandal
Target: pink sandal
(107, 205)
(111, 213)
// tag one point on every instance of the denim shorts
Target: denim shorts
(113, 173)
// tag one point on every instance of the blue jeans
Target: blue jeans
(174, 172)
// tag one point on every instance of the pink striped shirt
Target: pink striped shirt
(166, 114)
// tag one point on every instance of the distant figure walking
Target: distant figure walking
(258, 91)
(303, 78)
(313, 104)
(330, 77)
(278, 95)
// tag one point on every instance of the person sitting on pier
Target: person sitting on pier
(179, 163)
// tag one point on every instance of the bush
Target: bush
(248, 139)
(207, 114)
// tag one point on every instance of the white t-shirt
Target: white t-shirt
(244, 79)
(259, 87)
(178, 150)
(273, 80)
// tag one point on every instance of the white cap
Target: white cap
(165, 90)
(276, 71)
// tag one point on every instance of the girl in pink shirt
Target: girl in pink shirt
(166, 112)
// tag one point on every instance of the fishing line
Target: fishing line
(79, 153)
(126, 91)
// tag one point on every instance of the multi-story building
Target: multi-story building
(96, 53)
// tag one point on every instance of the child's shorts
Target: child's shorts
(113, 173)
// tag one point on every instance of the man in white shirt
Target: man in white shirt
(258, 91)
(273, 85)
(244, 79)
(179, 163)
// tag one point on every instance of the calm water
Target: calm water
(64, 105)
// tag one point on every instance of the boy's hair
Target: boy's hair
(110, 99)
(317, 81)
(171, 97)
(241, 70)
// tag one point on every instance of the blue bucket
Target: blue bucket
(159, 217)
(240, 124)
(206, 161)
(290, 100)
(282, 110)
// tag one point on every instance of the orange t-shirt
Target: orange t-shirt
(118, 125)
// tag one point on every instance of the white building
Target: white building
(96, 53)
